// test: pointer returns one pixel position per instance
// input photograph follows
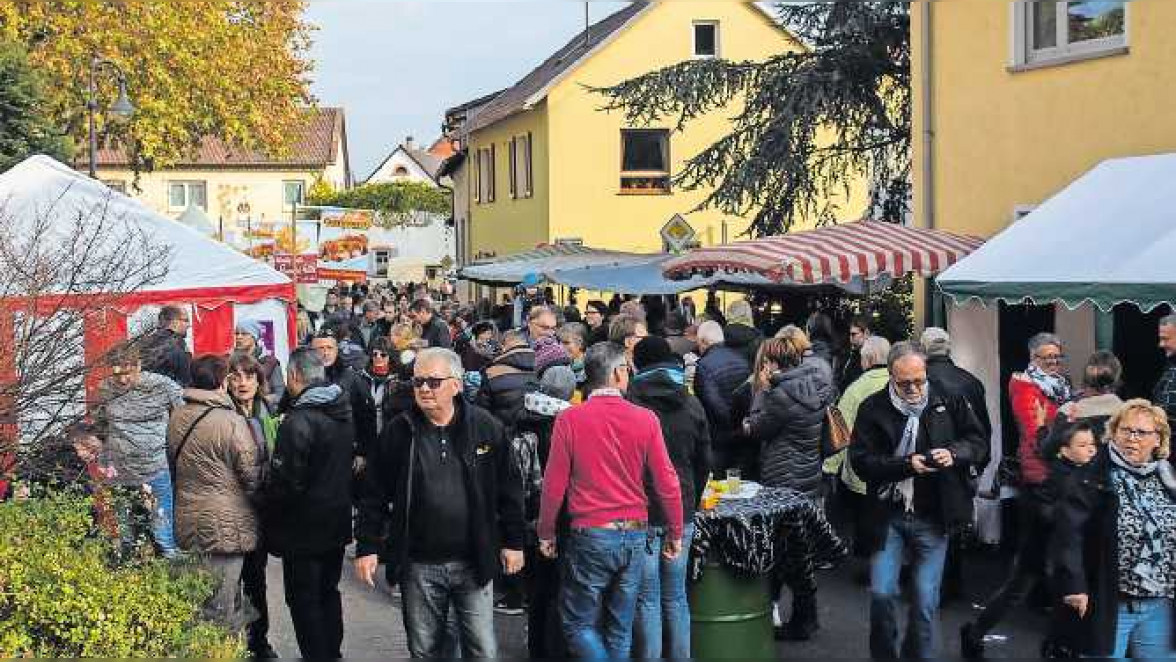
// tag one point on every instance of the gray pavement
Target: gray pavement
(373, 626)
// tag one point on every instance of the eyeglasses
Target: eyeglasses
(376, 352)
(910, 384)
(1136, 433)
(433, 383)
(545, 327)
(1052, 358)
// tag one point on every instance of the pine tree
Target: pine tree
(25, 127)
(808, 123)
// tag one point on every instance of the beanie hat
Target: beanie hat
(558, 382)
(549, 352)
(250, 327)
(652, 350)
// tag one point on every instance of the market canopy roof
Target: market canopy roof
(854, 254)
(1107, 238)
(533, 264)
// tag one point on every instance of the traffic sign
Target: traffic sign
(677, 233)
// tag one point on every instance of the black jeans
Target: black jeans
(1028, 567)
(545, 639)
(254, 585)
(316, 608)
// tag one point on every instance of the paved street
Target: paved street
(373, 627)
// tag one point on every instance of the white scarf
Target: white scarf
(905, 490)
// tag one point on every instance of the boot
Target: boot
(803, 623)
(971, 642)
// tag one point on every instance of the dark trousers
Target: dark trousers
(316, 608)
(545, 637)
(1028, 567)
(254, 585)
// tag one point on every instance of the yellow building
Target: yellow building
(1012, 102)
(546, 164)
(236, 187)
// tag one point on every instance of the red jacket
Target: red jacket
(1024, 395)
(600, 452)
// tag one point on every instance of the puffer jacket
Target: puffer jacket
(507, 381)
(787, 419)
(218, 475)
(716, 376)
(743, 339)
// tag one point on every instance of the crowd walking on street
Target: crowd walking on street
(552, 461)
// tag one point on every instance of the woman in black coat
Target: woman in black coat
(1114, 545)
(794, 389)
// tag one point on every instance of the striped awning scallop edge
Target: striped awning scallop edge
(839, 253)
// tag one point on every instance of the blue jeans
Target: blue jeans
(927, 544)
(663, 614)
(603, 570)
(429, 590)
(1144, 628)
(162, 518)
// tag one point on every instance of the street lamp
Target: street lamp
(122, 106)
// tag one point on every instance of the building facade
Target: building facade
(545, 164)
(240, 189)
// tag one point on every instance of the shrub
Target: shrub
(61, 596)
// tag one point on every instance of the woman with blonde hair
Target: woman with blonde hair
(793, 390)
(1114, 548)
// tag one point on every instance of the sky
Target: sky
(396, 65)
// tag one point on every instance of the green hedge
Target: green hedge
(62, 596)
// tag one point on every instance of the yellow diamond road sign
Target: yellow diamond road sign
(677, 233)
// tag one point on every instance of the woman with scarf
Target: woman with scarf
(1114, 546)
(1041, 387)
(378, 379)
(477, 352)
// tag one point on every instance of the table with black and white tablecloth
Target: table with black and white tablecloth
(778, 531)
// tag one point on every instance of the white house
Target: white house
(409, 163)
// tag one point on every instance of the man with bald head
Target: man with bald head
(917, 447)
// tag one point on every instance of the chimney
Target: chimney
(408, 143)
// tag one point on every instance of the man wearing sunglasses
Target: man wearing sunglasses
(917, 447)
(456, 515)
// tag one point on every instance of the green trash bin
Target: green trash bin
(731, 616)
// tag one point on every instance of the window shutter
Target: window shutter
(514, 169)
(530, 169)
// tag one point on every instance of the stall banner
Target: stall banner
(300, 268)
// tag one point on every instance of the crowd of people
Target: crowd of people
(528, 457)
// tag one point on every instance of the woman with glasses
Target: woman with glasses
(1114, 548)
(1042, 386)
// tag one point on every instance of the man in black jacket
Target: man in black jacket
(369, 326)
(434, 330)
(719, 372)
(954, 379)
(165, 350)
(917, 448)
(508, 378)
(363, 414)
(456, 499)
(660, 386)
(308, 503)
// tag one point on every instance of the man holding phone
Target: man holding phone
(918, 448)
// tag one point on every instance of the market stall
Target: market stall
(1105, 242)
(515, 268)
(217, 284)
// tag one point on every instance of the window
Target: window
(400, 171)
(1050, 30)
(485, 175)
(293, 193)
(116, 185)
(520, 167)
(706, 39)
(645, 161)
(181, 195)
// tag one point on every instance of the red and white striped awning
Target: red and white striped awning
(843, 253)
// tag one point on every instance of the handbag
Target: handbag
(837, 433)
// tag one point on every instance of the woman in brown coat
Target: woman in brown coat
(217, 478)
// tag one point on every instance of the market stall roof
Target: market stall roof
(516, 268)
(1107, 238)
(854, 254)
(40, 189)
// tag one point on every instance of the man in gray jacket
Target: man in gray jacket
(132, 415)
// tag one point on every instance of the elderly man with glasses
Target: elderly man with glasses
(456, 515)
(917, 449)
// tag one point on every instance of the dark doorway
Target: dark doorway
(1018, 323)
(1136, 346)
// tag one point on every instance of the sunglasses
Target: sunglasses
(376, 352)
(433, 383)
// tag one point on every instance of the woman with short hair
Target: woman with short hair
(1114, 548)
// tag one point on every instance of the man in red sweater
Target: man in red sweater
(600, 452)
